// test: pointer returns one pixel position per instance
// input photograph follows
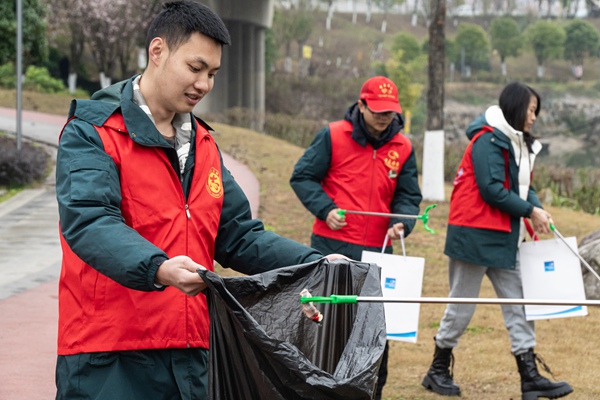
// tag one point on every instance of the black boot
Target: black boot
(439, 377)
(534, 385)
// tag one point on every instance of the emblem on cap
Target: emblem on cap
(386, 89)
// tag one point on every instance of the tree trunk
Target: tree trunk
(287, 61)
(72, 81)
(75, 54)
(436, 68)
(329, 16)
(433, 140)
(105, 81)
(415, 13)
(575, 10)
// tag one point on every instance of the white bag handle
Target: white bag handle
(385, 241)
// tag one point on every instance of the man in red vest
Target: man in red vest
(144, 202)
(361, 163)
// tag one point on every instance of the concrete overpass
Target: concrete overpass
(241, 80)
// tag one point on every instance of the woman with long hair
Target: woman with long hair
(491, 201)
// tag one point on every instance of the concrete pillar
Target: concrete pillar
(249, 66)
(217, 99)
(241, 80)
(222, 83)
(260, 80)
(236, 60)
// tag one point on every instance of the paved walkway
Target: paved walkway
(30, 265)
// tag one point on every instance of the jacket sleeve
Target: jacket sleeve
(308, 173)
(533, 199)
(244, 245)
(407, 196)
(89, 195)
(490, 168)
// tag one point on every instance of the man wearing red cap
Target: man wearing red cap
(361, 163)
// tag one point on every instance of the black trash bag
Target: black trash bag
(262, 346)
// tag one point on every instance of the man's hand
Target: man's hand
(541, 220)
(180, 272)
(395, 230)
(334, 221)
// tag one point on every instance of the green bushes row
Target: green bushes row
(36, 79)
(20, 168)
(575, 188)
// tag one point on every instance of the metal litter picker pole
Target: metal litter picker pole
(424, 217)
(352, 299)
(561, 237)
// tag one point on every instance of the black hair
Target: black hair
(178, 20)
(514, 101)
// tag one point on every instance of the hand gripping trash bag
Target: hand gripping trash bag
(262, 346)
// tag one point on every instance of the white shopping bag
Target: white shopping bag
(401, 276)
(550, 270)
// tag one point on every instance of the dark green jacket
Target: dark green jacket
(487, 247)
(314, 164)
(97, 232)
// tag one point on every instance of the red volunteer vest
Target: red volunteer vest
(467, 207)
(97, 313)
(362, 179)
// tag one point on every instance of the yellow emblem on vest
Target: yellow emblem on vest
(391, 161)
(214, 184)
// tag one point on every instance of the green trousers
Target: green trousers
(168, 374)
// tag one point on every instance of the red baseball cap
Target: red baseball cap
(380, 94)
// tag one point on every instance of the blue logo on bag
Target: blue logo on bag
(390, 283)
(548, 266)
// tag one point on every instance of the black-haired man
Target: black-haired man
(145, 201)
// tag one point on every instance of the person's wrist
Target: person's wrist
(158, 261)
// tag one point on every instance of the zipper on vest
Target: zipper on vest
(187, 211)
(370, 200)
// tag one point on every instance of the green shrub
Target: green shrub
(8, 78)
(36, 78)
(39, 79)
(587, 192)
(19, 168)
